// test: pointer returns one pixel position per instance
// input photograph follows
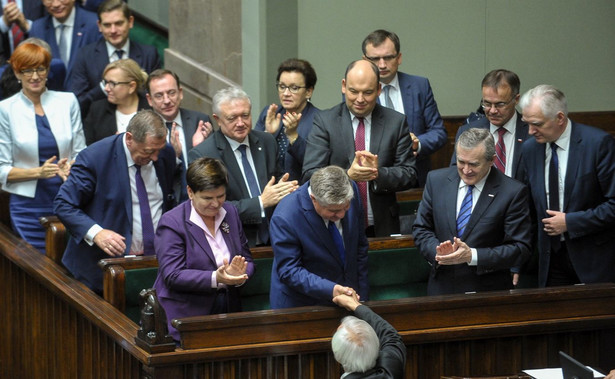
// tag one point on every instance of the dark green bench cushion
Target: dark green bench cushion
(137, 280)
(397, 273)
(255, 293)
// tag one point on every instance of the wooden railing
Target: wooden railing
(54, 327)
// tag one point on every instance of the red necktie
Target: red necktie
(16, 32)
(359, 145)
(500, 151)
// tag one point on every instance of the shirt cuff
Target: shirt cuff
(260, 202)
(92, 232)
(474, 260)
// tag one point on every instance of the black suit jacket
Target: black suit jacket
(499, 228)
(521, 135)
(90, 64)
(264, 153)
(392, 356)
(101, 121)
(331, 142)
(190, 120)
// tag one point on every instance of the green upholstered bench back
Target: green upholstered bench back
(136, 280)
(255, 293)
(397, 273)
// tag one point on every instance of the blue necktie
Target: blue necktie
(554, 191)
(263, 232)
(387, 99)
(147, 226)
(464, 212)
(337, 240)
(62, 45)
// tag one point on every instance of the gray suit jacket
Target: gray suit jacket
(264, 153)
(331, 142)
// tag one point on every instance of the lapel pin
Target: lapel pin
(491, 195)
(519, 140)
(79, 34)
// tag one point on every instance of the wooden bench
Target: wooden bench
(396, 270)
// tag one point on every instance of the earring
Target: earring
(18, 81)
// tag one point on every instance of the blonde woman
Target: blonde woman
(123, 81)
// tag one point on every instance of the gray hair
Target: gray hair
(227, 95)
(146, 123)
(39, 42)
(550, 99)
(331, 186)
(471, 138)
(355, 345)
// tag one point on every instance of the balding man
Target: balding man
(368, 140)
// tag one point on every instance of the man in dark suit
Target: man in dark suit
(187, 128)
(370, 141)
(16, 20)
(570, 170)
(473, 224)
(408, 94)
(251, 159)
(500, 91)
(319, 243)
(105, 205)
(114, 22)
(67, 28)
(366, 345)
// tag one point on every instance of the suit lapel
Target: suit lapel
(344, 132)
(451, 190)
(576, 150)
(50, 35)
(189, 126)
(259, 159)
(487, 195)
(317, 225)
(377, 131)
(406, 90)
(236, 183)
(520, 137)
(198, 235)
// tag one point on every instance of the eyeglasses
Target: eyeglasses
(487, 105)
(112, 84)
(387, 58)
(48, 2)
(159, 96)
(293, 89)
(28, 72)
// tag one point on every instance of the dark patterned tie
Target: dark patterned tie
(263, 229)
(119, 53)
(359, 145)
(554, 191)
(500, 151)
(464, 212)
(147, 226)
(16, 31)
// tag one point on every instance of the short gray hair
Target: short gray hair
(146, 123)
(550, 99)
(331, 186)
(355, 345)
(471, 138)
(227, 95)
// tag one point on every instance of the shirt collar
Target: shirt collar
(111, 49)
(394, 83)
(70, 21)
(198, 220)
(563, 142)
(510, 126)
(235, 145)
(479, 185)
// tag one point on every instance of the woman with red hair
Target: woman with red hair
(40, 135)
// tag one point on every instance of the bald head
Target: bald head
(361, 87)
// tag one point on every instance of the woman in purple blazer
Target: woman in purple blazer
(202, 251)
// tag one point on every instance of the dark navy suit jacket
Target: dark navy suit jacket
(423, 118)
(85, 31)
(521, 135)
(306, 263)
(98, 192)
(499, 228)
(90, 63)
(33, 10)
(186, 263)
(589, 203)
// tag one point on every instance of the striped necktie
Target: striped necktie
(464, 212)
